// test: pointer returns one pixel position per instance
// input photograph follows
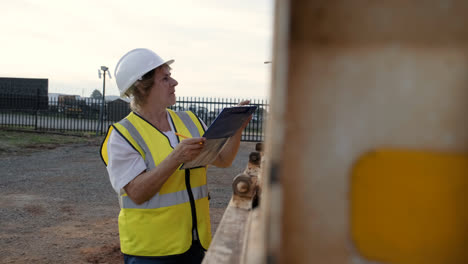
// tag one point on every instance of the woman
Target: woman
(164, 215)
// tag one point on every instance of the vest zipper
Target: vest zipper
(192, 205)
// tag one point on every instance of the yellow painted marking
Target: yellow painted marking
(410, 207)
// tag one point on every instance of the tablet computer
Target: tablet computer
(226, 124)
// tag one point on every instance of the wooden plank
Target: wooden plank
(227, 243)
(350, 77)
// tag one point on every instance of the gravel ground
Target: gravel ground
(57, 205)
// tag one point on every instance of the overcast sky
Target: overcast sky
(219, 47)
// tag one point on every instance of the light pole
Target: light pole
(101, 112)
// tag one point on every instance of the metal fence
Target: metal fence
(70, 113)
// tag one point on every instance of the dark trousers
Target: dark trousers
(193, 256)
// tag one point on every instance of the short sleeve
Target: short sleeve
(125, 163)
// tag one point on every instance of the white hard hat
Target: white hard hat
(133, 65)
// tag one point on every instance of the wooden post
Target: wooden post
(350, 77)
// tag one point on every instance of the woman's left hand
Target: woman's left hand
(244, 125)
(229, 151)
(245, 102)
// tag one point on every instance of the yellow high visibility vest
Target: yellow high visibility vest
(179, 213)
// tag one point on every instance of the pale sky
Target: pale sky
(219, 47)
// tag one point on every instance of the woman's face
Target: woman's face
(163, 90)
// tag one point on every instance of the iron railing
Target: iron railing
(70, 113)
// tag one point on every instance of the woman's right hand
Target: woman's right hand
(188, 149)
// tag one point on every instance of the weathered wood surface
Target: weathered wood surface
(232, 238)
(349, 77)
(227, 243)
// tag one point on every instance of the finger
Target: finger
(245, 102)
(195, 147)
(193, 154)
(192, 141)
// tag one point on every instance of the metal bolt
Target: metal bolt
(259, 146)
(242, 187)
(255, 157)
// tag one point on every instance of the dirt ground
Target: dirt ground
(57, 205)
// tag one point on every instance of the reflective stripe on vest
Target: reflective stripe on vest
(188, 122)
(168, 199)
(158, 200)
(149, 161)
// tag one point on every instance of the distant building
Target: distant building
(110, 98)
(53, 96)
(118, 109)
(24, 93)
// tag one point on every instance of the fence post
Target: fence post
(37, 109)
(101, 112)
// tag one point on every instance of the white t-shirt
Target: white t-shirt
(125, 163)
